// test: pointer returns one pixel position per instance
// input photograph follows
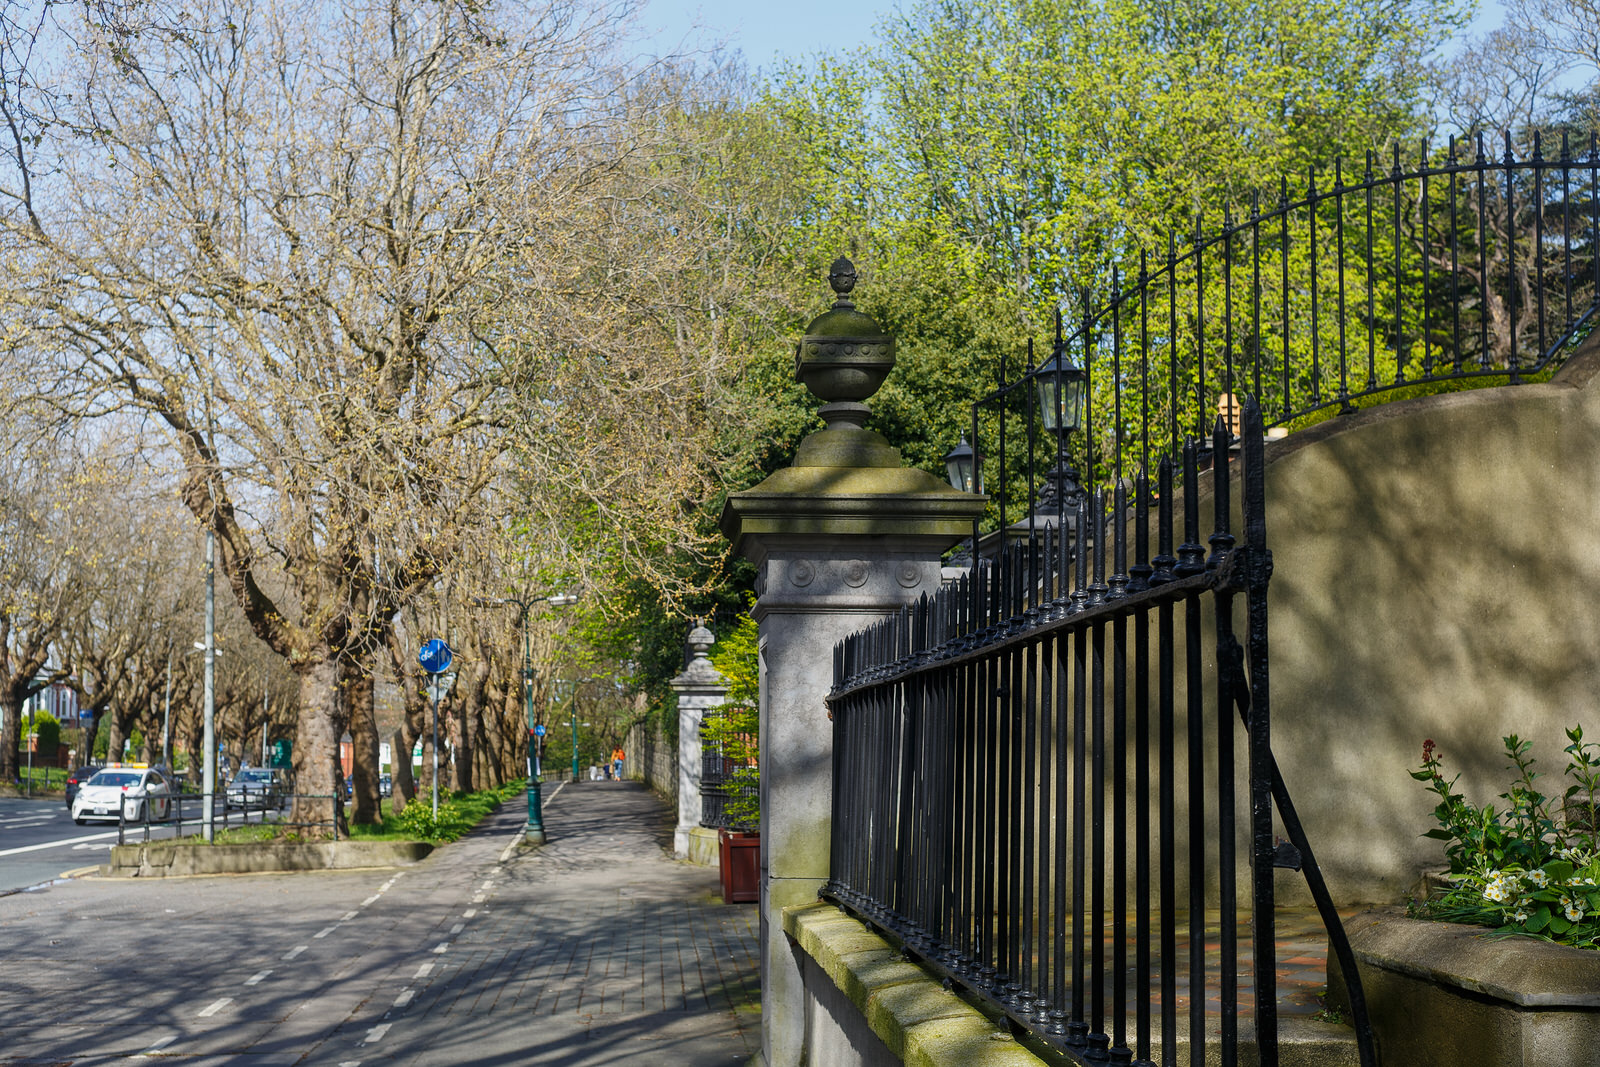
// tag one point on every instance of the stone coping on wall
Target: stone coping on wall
(925, 1024)
(171, 859)
(1523, 971)
(911, 1012)
(1444, 994)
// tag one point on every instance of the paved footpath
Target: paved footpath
(597, 949)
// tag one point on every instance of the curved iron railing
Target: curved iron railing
(1468, 265)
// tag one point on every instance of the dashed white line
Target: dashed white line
(469, 913)
(349, 1063)
(404, 998)
(443, 946)
(214, 1007)
(370, 899)
(255, 979)
(478, 899)
(157, 1046)
(423, 970)
(292, 953)
(347, 916)
(458, 927)
(325, 931)
(376, 1033)
(487, 886)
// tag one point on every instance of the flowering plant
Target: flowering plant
(1523, 870)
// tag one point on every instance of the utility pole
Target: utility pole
(209, 780)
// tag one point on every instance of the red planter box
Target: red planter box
(739, 856)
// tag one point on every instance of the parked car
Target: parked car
(123, 790)
(257, 787)
(385, 785)
(76, 779)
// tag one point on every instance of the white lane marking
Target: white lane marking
(404, 998)
(56, 844)
(157, 1046)
(488, 886)
(423, 971)
(469, 913)
(214, 1007)
(325, 931)
(478, 899)
(370, 899)
(256, 979)
(347, 916)
(511, 846)
(458, 927)
(443, 946)
(292, 953)
(376, 1033)
(349, 1063)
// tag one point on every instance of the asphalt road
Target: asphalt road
(597, 949)
(39, 841)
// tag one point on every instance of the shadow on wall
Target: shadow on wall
(1437, 563)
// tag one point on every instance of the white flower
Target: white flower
(1519, 916)
(1538, 878)
(1497, 891)
(1574, 913)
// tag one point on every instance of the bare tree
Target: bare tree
(279, 243)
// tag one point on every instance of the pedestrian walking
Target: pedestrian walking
(617, 756)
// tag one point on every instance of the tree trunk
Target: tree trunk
(368, 805)
(319, 780)
(405, 785)
(10, 736)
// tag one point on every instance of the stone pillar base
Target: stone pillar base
(697, 844)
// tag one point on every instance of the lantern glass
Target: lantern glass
(1063, 390)
(959, 465)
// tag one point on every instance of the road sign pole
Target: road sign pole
(435, 658)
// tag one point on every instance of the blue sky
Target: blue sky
(762, 29)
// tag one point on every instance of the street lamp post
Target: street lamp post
(572, 704)
(533, 833)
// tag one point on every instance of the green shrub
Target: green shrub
(44, 726)
(1521, 870)
(736, 724)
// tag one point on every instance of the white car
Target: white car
(125, 791)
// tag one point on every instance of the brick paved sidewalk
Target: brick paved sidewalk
(598, 948)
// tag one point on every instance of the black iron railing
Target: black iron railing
(1461, 262)
(724, 783)
(183, 814)
(1035, 782)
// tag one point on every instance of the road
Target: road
(595, 950)
(39, 841)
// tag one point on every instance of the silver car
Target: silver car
(257, 787)
(124, 791)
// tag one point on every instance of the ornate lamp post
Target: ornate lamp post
(1063, 390)
(533, 833)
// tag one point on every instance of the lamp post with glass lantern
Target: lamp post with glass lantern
(533, 833)
(1063, 390)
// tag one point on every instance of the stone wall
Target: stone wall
(652, 759)
(1436, 566)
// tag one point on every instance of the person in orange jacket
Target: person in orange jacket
(617, 756)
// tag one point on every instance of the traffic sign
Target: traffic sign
(435, 656)
(439, 685)
(538, 731)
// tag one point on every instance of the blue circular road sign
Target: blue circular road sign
(435, 656)
(538, 730)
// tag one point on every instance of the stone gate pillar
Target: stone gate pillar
(840, 539)
(699, 688)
